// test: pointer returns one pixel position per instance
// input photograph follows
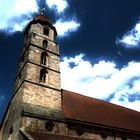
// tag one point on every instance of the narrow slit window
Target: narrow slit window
(44, 58)
(45, 43)
(43, 74)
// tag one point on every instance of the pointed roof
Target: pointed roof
(43, 20)
(90, 111)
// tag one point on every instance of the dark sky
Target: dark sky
(102, 22)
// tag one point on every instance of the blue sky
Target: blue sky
(99, 44)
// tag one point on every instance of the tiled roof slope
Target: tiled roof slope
(42, 18)
(96, 112)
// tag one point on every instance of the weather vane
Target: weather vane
(43, 10)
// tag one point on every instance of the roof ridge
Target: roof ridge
(106, 102)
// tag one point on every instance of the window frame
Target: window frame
(44, 59)
(43, 75)
(46, 31)
(45, 43)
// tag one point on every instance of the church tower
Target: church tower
(37, 91)
(38, 75)
(41, 110)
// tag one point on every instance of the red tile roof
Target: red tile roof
(42, 18)
(96, 112)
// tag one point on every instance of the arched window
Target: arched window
(43, 73)
(45, 43)
(44, 58)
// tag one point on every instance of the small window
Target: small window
(49, 125)
(43, 73)
(33, 35)
(46, 31)
(45, 43)
(44, 58)
(11, 130)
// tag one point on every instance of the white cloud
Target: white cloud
(102, 80)
(132, 38)
(64, 27)
(15, 14)
(59, 5)
(122, 96)
(132, 105)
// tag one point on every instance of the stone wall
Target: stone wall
(60, 128)
(41, 96)
(38, 29)
(12, 120)
(32, 55)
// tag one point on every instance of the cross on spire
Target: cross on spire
(43, 10)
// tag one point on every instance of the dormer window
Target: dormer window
(46, 31)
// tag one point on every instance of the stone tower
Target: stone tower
(39, 70)
(37, 91)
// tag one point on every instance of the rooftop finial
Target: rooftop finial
(43, 10)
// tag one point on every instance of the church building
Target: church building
(41, 110)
